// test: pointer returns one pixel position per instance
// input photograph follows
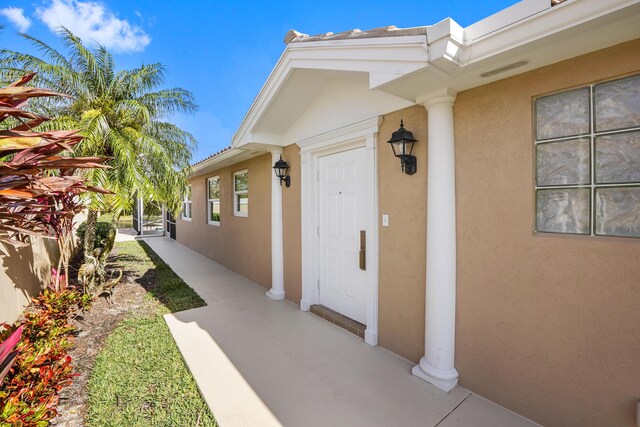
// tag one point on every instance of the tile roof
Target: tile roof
(211, 156)
(294, 36)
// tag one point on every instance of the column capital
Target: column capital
(441, 96)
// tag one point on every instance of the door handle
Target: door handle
(363, 250)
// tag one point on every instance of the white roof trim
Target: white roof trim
(537, 25)
(225, 155)
(384, 59)
(446, 50)
(355, 131)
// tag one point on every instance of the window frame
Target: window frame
(187, 205)
(211, 201)
(236, 205)
(591, 135)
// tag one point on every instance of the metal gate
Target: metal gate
(171, 225)
(149, 218)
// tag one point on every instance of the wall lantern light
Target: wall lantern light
(281, 168)
(402, 144)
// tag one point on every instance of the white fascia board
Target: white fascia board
(390, 57)
(542, 24)
(275, 79)
(505, 17)
(445, 29)
(231, 157)
(356, 43)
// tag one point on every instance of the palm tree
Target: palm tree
(122, 114)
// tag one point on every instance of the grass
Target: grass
(140, 378)
(125, 221)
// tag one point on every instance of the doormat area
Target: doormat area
(338, 319)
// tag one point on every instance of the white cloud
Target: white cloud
(17, 18)
(92, 21)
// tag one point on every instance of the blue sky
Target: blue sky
(222, 51)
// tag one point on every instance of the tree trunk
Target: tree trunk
(108, 244)
(90, 235)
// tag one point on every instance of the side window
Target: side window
(241, 193)
(588, 160)
(186, 205)
(213, 200)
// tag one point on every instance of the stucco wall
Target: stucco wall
(240, 243)
(548, 326)
(291, 217)
(403, 243)
(24, 272)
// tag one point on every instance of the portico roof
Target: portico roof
(409, 64)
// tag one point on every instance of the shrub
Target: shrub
(29, 395)
(7, 353)
(102, 232)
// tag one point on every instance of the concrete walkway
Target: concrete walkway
(126, 235)
(264, 363)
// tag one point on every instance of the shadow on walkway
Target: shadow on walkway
(260, 362)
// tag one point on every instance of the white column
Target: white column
(277, 247)
(141, 216)
(436, 366)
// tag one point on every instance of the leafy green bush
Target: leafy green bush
(102, 231)
(29, 394)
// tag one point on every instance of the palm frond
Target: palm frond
(120, 114)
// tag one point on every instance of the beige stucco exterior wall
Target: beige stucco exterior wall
(291, 219)
(24, 272)
(403, 243)
(242, 244)
(548, 326)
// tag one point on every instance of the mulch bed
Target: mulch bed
(94, 326)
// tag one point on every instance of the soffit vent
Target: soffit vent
(503, 69)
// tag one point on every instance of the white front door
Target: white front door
(342, 216)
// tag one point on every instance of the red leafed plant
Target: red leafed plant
(29, 394)
(39, 196)
(38, 193)
(7, 353)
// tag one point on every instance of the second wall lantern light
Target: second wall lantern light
(281, 169)
(402, 144)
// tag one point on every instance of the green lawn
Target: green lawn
(140, 378)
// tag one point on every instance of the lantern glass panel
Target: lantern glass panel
(398, 148)
(409, 147)
(281, 172)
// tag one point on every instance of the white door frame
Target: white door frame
(357, 135)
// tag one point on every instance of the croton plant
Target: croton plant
(35, 177)
(39, 196)
(38, 188)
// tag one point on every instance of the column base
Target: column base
(275, 295)
(444, 379)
